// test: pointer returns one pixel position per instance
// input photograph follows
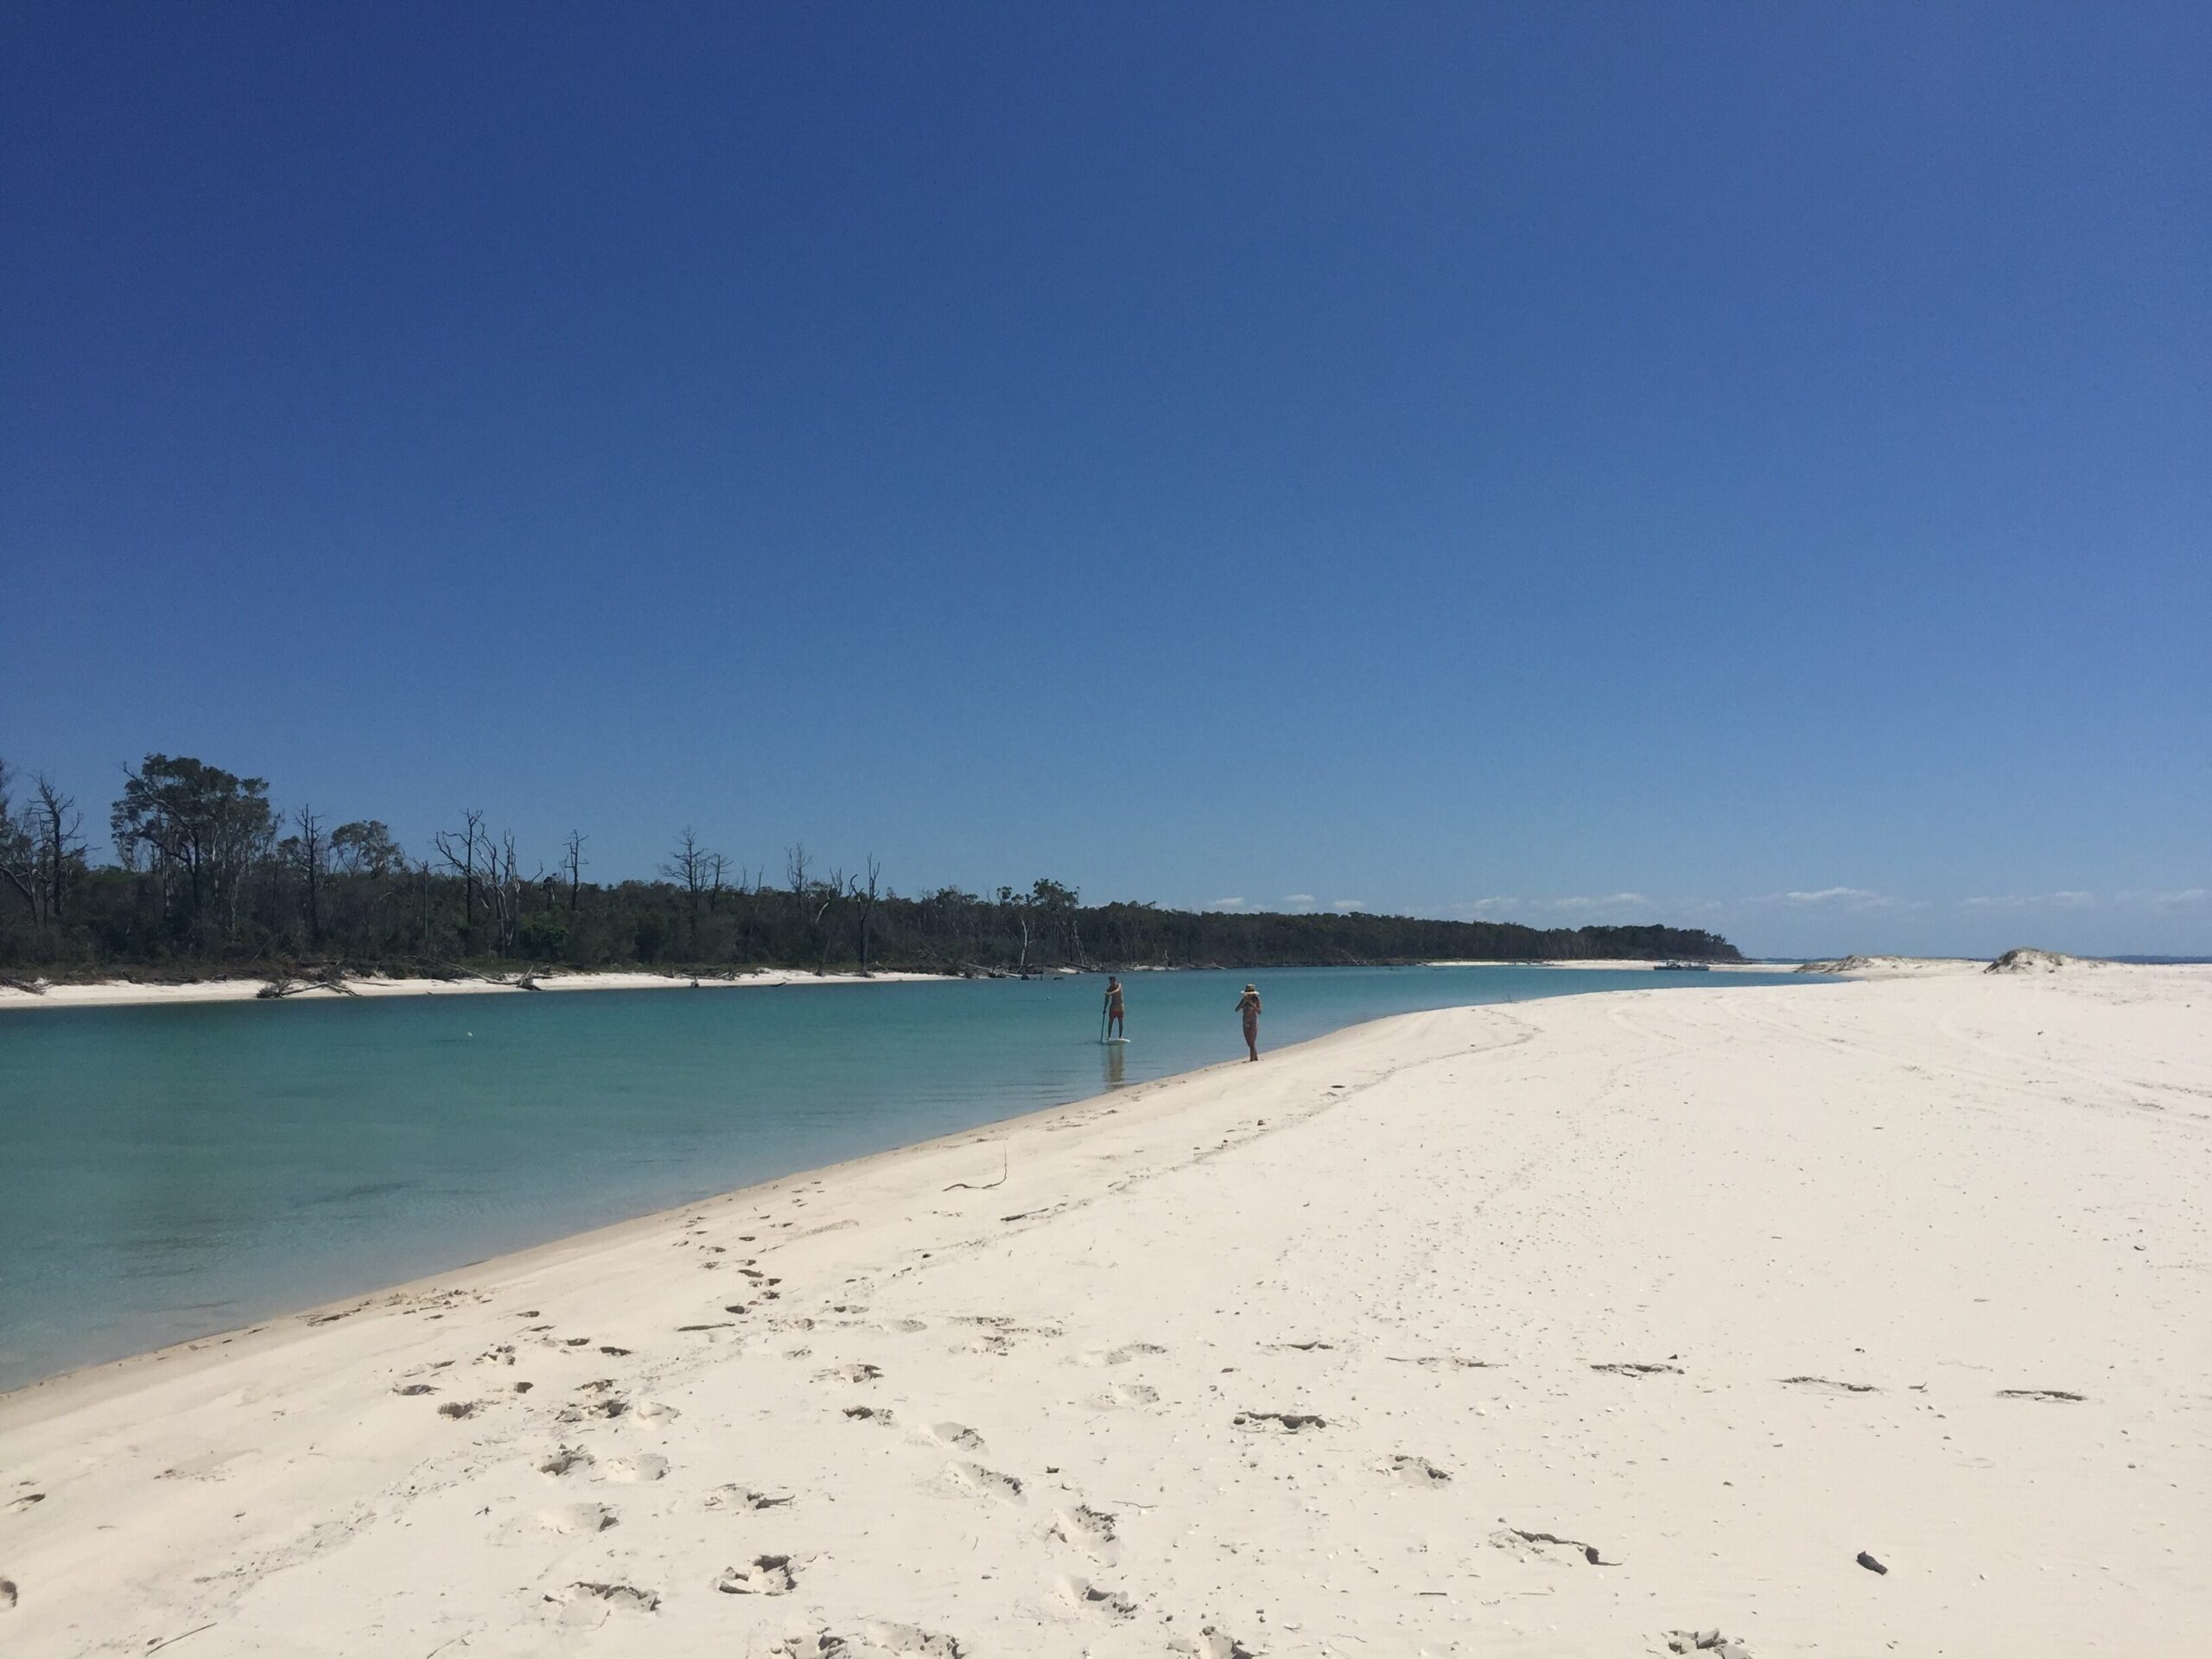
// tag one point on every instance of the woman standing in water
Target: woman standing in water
(1249, 1006)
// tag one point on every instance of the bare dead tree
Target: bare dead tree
(1018, 903)
(493, 887)
(573, 861)
(59, 823)
(463, 862)
(869, 898)
(687, 866)
(503, 890)
(18, 856)
(828, 893)
(311, 858)
(717, 868)
(795, 878)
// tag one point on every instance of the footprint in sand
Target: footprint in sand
(657, 1411)
(634, 1471)
(8, 1592)
(1532, 1545)
(1211, 1642)
(1085, 1597)
(1121, 1356)
(1126, 1396)
(567, 1519)
(808, 1644)
(460, 1408)
(564, 1459)
(868, 1414)
(1000, 1329)
(1087, 1529)
(910, 1639)
(956, 1434)
(1416, 1471)
(626, 1598)
(577, 1517)
(1831, 1386)
(1707, 1643)
(608, 1406)
(1437, 1362)
(857, 1373)
(986, 1483)
(733, 1497)
(1281, 1422)
(764, 1575)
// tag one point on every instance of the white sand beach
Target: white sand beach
(1553, 1328)
(127, 992)
(1616, 963)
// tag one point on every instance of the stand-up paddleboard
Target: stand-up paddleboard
(1110, 1041)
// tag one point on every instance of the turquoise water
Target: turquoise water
(169, 1171)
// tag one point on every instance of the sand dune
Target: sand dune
(1896, 967)
(1862, 1318)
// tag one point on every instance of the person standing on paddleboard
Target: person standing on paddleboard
(1249, 1006)
(1114, 1009)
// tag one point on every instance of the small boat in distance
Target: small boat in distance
(1682, 966)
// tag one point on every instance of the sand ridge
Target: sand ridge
(1602, 1324)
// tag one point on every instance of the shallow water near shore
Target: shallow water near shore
(172, 1172)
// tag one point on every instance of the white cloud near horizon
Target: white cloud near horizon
(1582, 909)
(1482, 908)
(1846, 898)
(1587, 907)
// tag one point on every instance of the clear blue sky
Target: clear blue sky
(1733, 464)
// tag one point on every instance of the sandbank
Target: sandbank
(1545, 1328)
(125, 993)
(1618, 963)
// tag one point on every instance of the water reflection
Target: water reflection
(1116, 1063)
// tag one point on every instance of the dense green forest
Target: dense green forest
(211, 876)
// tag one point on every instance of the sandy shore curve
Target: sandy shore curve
(1558, 1327)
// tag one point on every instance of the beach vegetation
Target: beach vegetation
(209, 877)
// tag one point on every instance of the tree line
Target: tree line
(209, 875)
